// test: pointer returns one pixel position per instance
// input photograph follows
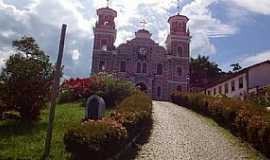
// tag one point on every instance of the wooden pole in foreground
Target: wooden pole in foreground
(56, 83)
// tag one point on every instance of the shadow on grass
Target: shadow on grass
(132, 152)
(11, 128)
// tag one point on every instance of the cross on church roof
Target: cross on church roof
(178, 7)
(108, 3)
(143, 23)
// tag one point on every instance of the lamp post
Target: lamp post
(188, 79)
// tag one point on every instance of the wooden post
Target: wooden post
(57, 76)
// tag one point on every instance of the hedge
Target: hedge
(107, 137)
(244, 119)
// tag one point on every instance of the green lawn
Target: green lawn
(22, 141)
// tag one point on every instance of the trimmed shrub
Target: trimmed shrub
(250, 122)
(104, 138)
(135, 113)
(95, 139)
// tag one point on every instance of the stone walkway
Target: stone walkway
(179, 134)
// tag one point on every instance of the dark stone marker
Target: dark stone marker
(95, 108)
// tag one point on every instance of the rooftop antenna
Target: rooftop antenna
(143, 23)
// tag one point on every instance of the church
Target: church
(155, 69)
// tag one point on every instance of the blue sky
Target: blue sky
(228, 31)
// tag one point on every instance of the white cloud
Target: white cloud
(256, 58)
(75, 54)
(257, 6)
(5, 53)
(43, 18)
(204, 26)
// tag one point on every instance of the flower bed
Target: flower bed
(250, 122)
(107, 137)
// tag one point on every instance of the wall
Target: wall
(238, 92)
(259, 76)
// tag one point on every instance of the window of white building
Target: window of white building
(233, 85)
(241, 82)
(226, 88)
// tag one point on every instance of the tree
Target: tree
(203, 71)
(236, 67)
(26, 79)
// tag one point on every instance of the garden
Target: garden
(245, 119)
(25, 90)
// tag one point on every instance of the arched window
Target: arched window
(139, 69)
(158, 92)
(101, 66)
(123, 66)
(159, 69)
(179, 71)
(104, 45)
(144, 68)
(179, 88)
(180, 52)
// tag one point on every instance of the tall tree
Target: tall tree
(236, 67)
(203, 71)
(26, 79)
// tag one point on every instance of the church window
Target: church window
(179, 88)
(101, 66)
(158, 92)
(144, 68)
(174, 26)
(138, 67)
(179, 71)
(104, 46)
(159, 69)
(180, 51)
(123, 66)
(106, 23)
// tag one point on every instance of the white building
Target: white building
(241, 83)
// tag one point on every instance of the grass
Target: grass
(24, 141)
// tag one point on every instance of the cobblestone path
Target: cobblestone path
(181, 134)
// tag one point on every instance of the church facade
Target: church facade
(156, 69)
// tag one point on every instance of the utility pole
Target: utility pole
(57, 75)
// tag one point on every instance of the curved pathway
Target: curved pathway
(182, 134)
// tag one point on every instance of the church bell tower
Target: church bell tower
(178, 53)
(104, 39)
(104, 30)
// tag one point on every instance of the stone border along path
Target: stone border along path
(180, 134)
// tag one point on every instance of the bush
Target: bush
(262, 98)
(113, 90)
(135, 113)
(250, 122)
(104, 138)
(26, 79)
(66, 96)
(77, 89)
(96, 139)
